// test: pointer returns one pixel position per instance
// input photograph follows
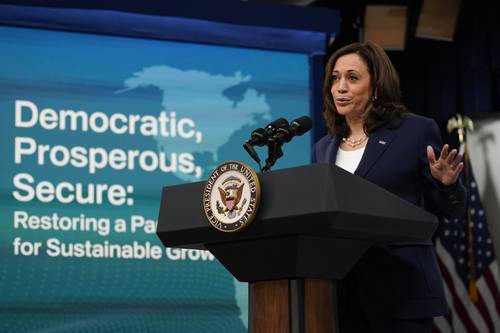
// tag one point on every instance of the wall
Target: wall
(484, 147)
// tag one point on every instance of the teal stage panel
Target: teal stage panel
(91, 128)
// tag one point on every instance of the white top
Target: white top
(349, 160)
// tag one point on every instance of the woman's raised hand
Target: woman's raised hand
(447, 167)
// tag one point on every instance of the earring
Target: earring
(374, 98)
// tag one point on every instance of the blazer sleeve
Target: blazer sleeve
(442, 200)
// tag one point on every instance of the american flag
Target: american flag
(466, 269)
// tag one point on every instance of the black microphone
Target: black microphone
(261, 136)
(297, 127)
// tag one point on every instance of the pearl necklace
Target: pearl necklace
(356, 142)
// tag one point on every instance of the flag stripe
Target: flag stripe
(456, 300)
(481, 306)
(461, 292)
(490, 303)
(441, 325)
(488, 277)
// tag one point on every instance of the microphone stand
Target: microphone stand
(274, 136)
(274, 152)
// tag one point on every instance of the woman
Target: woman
(394, 288)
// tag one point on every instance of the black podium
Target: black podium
(314, 223)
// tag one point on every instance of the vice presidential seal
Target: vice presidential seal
(231, 196)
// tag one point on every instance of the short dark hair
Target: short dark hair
(386, 105)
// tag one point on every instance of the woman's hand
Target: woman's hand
(448, 167)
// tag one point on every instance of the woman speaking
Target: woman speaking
(394, 288)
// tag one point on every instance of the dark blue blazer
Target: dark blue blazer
(401, 280)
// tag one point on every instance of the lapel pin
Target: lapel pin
(382, 142)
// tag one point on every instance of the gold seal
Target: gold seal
(231, 196)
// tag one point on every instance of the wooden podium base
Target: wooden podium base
(292, 306)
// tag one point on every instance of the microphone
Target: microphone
(284, 134)
(297, 127)
(261, 136)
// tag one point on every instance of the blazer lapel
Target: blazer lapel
(375, 147)
(331, 150)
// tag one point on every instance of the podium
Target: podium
(314, 223)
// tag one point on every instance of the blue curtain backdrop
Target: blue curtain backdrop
(440, 78)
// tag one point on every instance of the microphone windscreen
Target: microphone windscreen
(302, 124)
(279, 123)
